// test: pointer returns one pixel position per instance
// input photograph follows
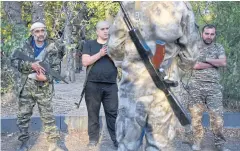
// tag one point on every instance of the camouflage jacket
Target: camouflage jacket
(171, 22)
(23, 68)
(210, 74)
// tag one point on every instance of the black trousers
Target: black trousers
(95, 94)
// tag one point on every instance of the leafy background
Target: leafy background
(224, 14)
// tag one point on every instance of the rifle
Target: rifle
(84, 86)
(85, 83)
(149, 60)
(21, 56)
(82, 94)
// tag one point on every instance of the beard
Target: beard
(208, 41)
(40, 38)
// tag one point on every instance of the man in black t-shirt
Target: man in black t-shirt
(101, 85)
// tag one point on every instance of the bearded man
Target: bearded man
(205, 89)
(35, 87)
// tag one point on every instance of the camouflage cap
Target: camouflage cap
(37, 25)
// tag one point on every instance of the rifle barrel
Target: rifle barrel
(145, 53)
(127, 21)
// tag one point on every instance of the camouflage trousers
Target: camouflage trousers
(31, 95)
(150, 116)
(78, 62)
(206, 96)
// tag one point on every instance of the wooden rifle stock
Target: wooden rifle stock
(158, 57)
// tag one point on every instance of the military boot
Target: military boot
(54, 147)
(24, 146)
(187, 136)
(221, 147)
(196, 146)
(220, 141)
(92, 144)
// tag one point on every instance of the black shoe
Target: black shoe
(24, 146)
(92, 144)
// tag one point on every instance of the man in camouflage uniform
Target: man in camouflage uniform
(34, 87)
(141, 104)
(78, 56)
(205, 89)
(79, 41)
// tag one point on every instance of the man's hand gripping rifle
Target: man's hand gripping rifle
(21, 56)
(152, 63)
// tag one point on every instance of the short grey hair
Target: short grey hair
(102, 24)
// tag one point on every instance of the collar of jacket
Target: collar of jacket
(29, 41)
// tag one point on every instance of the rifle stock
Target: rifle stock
(84, 86)
(82, 94)
(149, 59)
(158, 57)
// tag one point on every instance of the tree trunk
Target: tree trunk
(13, 11)
(38, 11)
(70, 72)
(14, 16)
(78, 37)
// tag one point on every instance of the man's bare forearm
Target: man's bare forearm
(88, 60)
(217, 62)
(202, 65)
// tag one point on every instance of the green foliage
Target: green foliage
(227, 21)
(226, 17)
(6, 74)
(97, 10)
(224, 14)
(203, 11)
(27, 13)
(12, 35)
(54, 18)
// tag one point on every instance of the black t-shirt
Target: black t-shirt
(104, 69)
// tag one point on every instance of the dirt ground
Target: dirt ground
(73, 141)
(63, 102)
(77, 141)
